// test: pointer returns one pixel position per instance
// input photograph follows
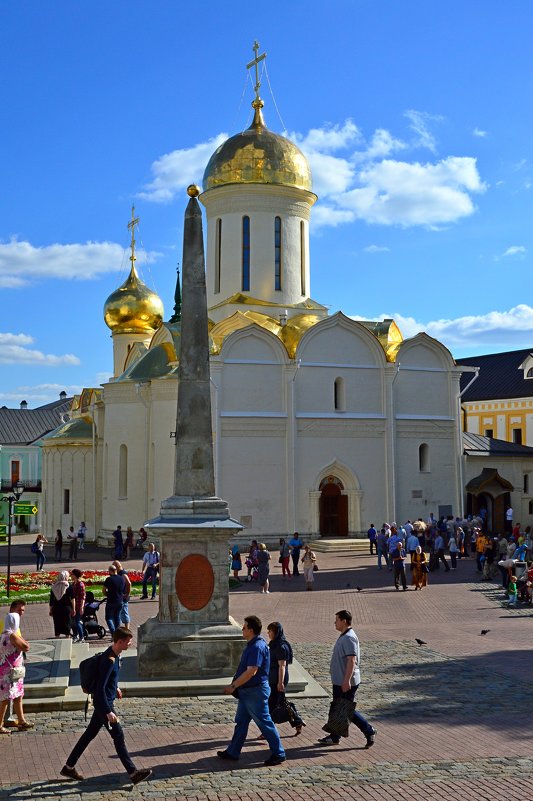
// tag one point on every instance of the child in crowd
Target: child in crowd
(512, 591)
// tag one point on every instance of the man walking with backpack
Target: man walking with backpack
(103, 683)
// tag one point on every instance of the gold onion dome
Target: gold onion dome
(133, 307)
(258, 156)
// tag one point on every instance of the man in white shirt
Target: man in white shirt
(150, 570)
(346, 676)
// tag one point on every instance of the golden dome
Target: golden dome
(133, 308)
(258, 156)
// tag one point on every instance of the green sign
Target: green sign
(3, 531)
(24, 509)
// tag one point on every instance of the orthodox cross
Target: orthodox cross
(255, 63)
(131, 227)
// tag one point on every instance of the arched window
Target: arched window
(338, 395)
(218, 254)
(423, 458)
(245, 254)
(277, 253)
(302, 256)
(529, 373)
(123, 472)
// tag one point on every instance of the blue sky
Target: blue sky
(416, 118)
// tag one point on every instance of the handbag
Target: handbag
(16, 673)
(340, 716)
(315, 567)
(282, 712)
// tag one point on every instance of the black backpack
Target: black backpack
(89, 673)
(89, 669)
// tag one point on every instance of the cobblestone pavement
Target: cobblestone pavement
(452, 716)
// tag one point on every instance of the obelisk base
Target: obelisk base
(192, 635)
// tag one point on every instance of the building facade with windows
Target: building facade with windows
(321, 423)
(499, 403)
(21, 432)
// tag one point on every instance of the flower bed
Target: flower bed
(35, 587)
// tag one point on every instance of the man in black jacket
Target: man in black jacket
(106, 691)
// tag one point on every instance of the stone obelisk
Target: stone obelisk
(192, 635)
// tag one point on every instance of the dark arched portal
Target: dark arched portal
(333, 508)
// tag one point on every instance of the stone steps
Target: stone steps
(359, 546)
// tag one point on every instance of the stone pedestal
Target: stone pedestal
(192, 635)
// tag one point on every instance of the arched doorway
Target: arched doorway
(490, 492)
(333, 508)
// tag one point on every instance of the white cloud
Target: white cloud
(324, 216)
(329, 138)
(14, 350)
(399, 193)
(478, 132)
(420, 122)
(358, 181)
(103, 378)
(492, 331)
(21, 261)
(376, 249)
(176, 170)
(514, 250)
(11, 281)
(382, 144)
(331, 174)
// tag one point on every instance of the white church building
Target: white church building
(321, 424)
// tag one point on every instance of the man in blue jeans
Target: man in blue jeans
(250, 684)
(346, 676)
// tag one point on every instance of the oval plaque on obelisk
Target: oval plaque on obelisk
(195, 581)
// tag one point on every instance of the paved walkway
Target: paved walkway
(452, 716)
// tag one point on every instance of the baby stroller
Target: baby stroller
(89, 617)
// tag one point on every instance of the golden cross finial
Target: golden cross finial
(131, 227)
(255, 64)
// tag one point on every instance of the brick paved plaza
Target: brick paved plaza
(452, 717)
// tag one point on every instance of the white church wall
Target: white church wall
(421, 491)
(68, 468)
(252, 473)
(251, 379)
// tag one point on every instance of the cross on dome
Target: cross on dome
(131, 227)
(255, 64)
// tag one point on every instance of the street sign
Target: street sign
(24, 509)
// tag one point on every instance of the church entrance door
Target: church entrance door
(333, 507)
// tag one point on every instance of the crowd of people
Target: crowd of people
(257, 562)
(429, 543)
(123, 545)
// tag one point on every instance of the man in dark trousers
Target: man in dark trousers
(106, 691)
(346, 676)
(398, 565)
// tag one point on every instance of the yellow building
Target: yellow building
(499, 403)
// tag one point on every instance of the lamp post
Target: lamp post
(16, 492)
